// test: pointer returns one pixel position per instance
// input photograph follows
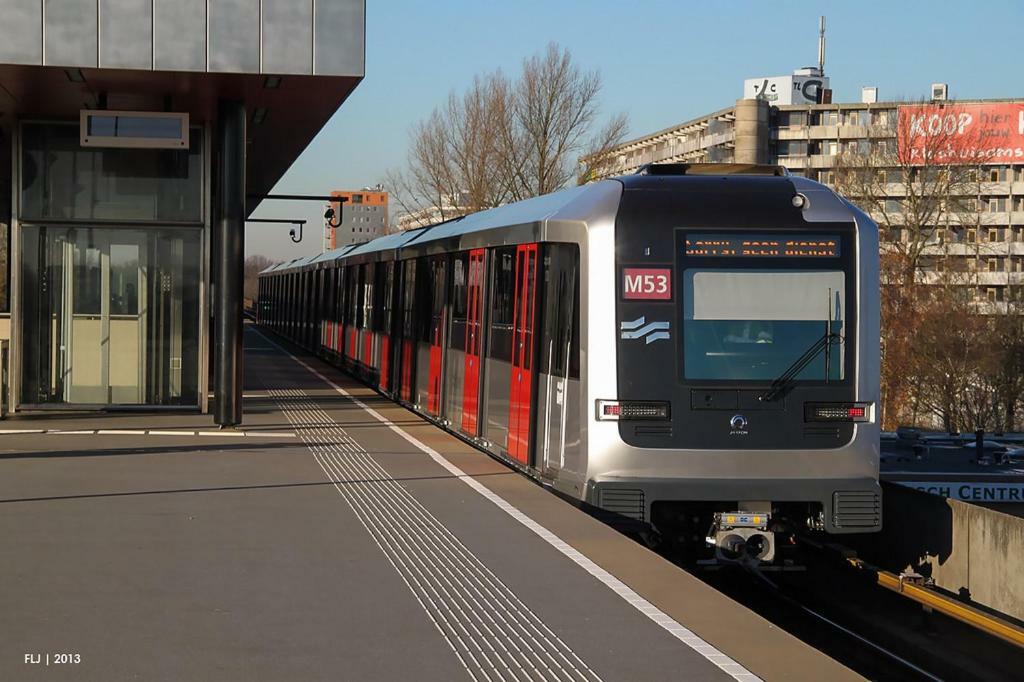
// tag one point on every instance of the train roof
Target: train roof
(332, 254)
(579, 205)
(532, 210)
(388, 241)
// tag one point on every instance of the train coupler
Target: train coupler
(742, 537)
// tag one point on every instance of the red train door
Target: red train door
(439, 282)
(520, 393)
(474, 308)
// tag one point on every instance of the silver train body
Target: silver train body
(634, 343)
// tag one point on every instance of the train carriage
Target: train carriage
(693, 348)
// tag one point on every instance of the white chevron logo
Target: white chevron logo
(649, 331)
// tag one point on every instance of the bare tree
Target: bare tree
(504, 140)
(554, 106)
(251, 269)
(918, 181)
(599, 159)
(453, 157)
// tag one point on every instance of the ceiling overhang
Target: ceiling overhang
(290, 114)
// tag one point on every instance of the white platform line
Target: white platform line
(663, 620)
(439, 568)
(147, 432)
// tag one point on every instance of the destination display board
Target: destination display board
(761, 246)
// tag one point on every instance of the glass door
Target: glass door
(110, 316)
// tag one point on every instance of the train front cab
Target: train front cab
(705, 416)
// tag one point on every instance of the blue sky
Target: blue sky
(662, 62)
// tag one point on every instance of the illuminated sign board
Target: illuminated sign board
(761, 246)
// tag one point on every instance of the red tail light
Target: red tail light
(633, 410)
(837, 412)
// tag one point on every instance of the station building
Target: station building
(135, 138)
(810, 139)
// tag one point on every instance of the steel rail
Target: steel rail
(945, 605)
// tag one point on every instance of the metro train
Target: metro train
(692, 350)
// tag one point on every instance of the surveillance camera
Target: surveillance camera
(291, 232)
(329, 214)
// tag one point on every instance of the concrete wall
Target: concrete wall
(968, 550)
(321, 37)
(751, 128)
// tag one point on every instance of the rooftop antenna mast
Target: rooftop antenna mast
(821, 48)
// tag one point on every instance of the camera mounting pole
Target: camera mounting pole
(291, 234)
(329, 215)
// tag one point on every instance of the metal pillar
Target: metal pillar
(230, 254)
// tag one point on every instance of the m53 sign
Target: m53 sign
(961, 133)
(651, 284)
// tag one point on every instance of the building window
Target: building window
(830, 147)
(825, 177)
(792, 119)
(993, 235)
(972, 235)
(993, 264)
(880, 117)
(997, 174)
(893, 206)
(792, 148)
(997, 205)
(991, 294)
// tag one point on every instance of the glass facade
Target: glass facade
(61, 180)
(111, 247)
(110, 316)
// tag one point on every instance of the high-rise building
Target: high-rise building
(968, 154)
(364, 216)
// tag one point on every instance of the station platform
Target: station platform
(336, 536)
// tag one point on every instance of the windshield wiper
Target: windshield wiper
(786, 378)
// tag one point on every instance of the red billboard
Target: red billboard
(956, 133)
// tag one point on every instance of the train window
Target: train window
(753, 324)
(503, 284)
(435, 283)
(409, 299)
(460, 294)
(368, 286)
(560, 348)
(352, 297)
(378, 304)
(388, 277)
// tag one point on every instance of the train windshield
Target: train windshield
(753, 324)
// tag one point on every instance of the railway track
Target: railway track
(841, 610)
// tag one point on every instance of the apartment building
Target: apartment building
(364, 216)
(985, 141)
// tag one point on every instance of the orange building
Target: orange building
(364, 216)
